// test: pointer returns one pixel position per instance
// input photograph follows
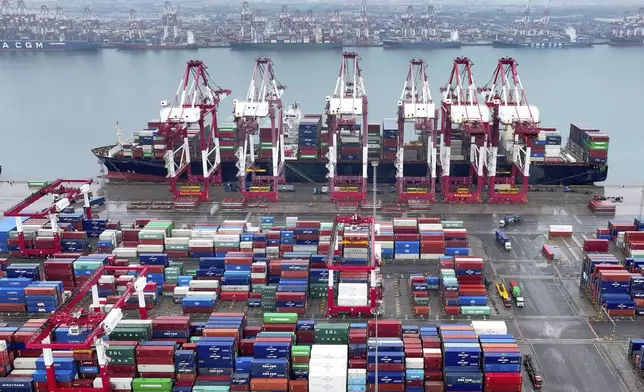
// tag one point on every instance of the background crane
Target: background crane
(193, 111)
(416, 106)
(464, 119)
(263, 100)
(515, 123)
(347, 104)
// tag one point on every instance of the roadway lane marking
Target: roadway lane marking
(577, 219)
(248, 216)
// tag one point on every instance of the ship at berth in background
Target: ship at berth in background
(22, 30)
(629, 31)
(304, 148)
(422, 32)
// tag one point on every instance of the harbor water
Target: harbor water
(56, 106)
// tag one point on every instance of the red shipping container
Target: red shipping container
(386, 328)
(386, 387)
(506, 382)
(596, 245)
(434, 386)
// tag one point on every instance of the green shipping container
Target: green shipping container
(210, 388)
(309, 156)
(37, 184)
(152, 384)
(280, 318)
(268, 305)
(127, 334)
(421, 301)
(475, 310)
(327, 333)
(301, 351)
(452, 224)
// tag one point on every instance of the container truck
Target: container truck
(515, 218)
(516, 293)
(503, 240)
(503, 293)
(533, 373)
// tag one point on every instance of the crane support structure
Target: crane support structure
(192, 114)
(343, 109)
(263, 101)
(514, 125)
(416, 105)
(63, 193)
(334, 265)
(99, 325)
(467, 120)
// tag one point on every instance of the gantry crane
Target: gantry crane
(63, 194)
(515, 122)
(348, 103)
(263, 100)
(416, 105)
(78, 321)
(461, 109)
(193, 111)
(335, 265)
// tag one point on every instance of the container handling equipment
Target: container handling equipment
(100, 324)
(63, 194)
(503, 240)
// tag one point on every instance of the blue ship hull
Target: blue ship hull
(541, 45)
(540, 174)
(421, 44)
(46, 46)
(285, 46)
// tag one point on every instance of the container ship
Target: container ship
(158, 44)
(47, 46)
(632, 40)
(569, 40)
(424, 42)
(285, 45)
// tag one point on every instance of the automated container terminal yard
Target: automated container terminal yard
(124, 286)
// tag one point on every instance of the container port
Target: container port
(490, 146)
(228, 278)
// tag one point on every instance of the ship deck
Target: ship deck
(565, 333)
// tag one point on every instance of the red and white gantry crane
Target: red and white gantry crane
(193, 111)
(514, 125)
(416, 105)
(347, 104)
(462, 112)
(264, 99)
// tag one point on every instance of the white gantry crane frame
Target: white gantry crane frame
(461, 107)
(505, 96)
(263, 99)
(416, 105)
(344, 107)
(193, 110)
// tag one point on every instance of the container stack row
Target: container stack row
(228, 141)
(462, 285)
(283, 354)
(632, 243)
(588, 144)
(265, 147)
(374, 141)
(546, 145)
(308, 145)
(389, 139)
(419, 290)
(614, 288)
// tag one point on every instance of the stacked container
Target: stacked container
(228, 138)
(306, 236)
(636, 353)
(414, 363)
(419, 295)
(292, 292)
(309, 137)
(634, 243)
(12, 294)
(389, 139)
(461, 358)
(407, 245)
(235, 283)
(432, 240)
(350, 141)
(66, 371)
(588, 144)
(60, 269)
(155, 359)
(560, 231)
(609, 284)
(389, 359)
(374, 141)
(328, 368)
(43, 297)
(472, 292)
(501, 363)
(384, 237)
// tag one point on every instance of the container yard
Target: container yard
(216, 300)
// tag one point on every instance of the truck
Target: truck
(508, 219)
(516, 293)
(503, 240)
(533, 373)
(286, 188)
(503, 293)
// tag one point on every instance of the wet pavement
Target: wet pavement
(572, 341)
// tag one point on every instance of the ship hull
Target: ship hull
(156, 47)
(47, 46)
(626, 42)
(285, 46)
(532, 45)
(540, 174)
(420, 45)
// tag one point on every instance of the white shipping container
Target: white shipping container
(560, 228)
(135, 321)
(406, 256)
(23, 363)
(126, 253)
(145, 248)
(45, 233)
(226, 238)
(405, 222)
(325, 238)
(117, 383)
(27, 373)
(358, 373)
(488, 327)
(259, 251)
(156, 368)
(356, 251)
(430, 256)
(305, 248)
(183, 233)
(352, 301)
(203, 234)
(352, 289)
(203, 284)
(205, 294)
(104, 279)
(430, 226)
(414, 363)
(201, 243)
(258, 275)
(431, 351)
(246, 245)
(181, 291)
(236, 288)
(176, 241)
(386, 244)
(338, 351)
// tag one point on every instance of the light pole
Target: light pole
(374, 164)
(612, 335)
